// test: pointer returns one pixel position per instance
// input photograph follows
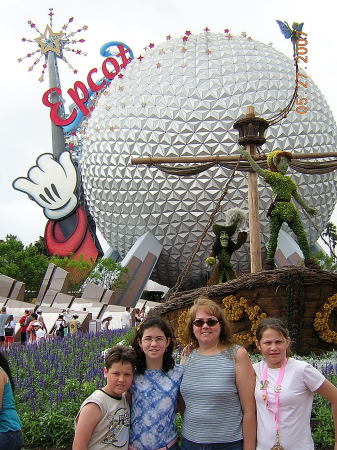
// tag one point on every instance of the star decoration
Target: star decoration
(158, 65)
(151, 45)
(185, 38)
(244, 34)
(229, 36)
(184, 49)
(112, 128)
(161, 51)
(208, 51)
(206, 30)
(50, 41)
(249, 38)
(188, 33)
(145, 48)
(140, 57)
(226, 30)
(56, 42)
(121, 88)
(120, 75)
(168, 37)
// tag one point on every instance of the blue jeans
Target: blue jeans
(11, 440)
(189, 445)
(175, 446)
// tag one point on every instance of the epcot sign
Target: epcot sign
(80, 93)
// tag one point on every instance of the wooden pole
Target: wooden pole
(149, 160)
(253, 209)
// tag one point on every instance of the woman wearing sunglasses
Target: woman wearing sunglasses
(217, 386)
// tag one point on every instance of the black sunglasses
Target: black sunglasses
(201, 322)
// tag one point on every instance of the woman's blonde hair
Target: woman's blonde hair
(213, 309)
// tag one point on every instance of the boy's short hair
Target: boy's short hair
(120, 354)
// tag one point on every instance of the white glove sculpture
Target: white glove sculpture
(52, 185)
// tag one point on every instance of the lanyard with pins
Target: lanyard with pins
(277, 389)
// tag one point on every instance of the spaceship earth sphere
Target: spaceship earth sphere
(182, 99)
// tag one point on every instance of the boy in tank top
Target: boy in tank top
(104, 417)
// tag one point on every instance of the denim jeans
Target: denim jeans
(11, 440)
(175, 446)
(189, 445)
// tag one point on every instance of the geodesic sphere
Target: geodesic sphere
(182, 99)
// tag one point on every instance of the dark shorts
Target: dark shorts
(23, 337)
(2, 338)
(189, 445)
(11, 440)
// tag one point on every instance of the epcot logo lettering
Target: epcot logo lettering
(80, 93)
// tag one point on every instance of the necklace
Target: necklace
(277, 389)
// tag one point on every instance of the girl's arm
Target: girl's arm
(245, 382)
(329, 392)
(89, 417)
(181, 404)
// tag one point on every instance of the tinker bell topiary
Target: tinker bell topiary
(224, 247)
(281, 209)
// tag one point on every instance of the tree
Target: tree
(330, 232)
(22, 263)
(105, 272)
(108, 274)
(78, 269)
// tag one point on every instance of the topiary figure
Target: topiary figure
(224, 247)
(281, 209)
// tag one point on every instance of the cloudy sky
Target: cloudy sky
(25, 120)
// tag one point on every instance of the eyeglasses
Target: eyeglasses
(157, 340)
(201, 322)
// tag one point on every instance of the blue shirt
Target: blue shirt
(9, 419)
(154, 407)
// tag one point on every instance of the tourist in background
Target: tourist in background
(27, 322)
(10, 425)
(41, 320)
(217, 386)
(67, 316)
(155, 388)
(138, 317)
(9, 331)
(59, 326)
(106, 323)
(3, 321)
(40, 333)
(74, 325)
(284, 392)
(126, 319)
(31, 329)
(23, 328)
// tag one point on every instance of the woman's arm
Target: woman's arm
(245, 382)
(329, 392)
(89, 417)
(3, 381)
